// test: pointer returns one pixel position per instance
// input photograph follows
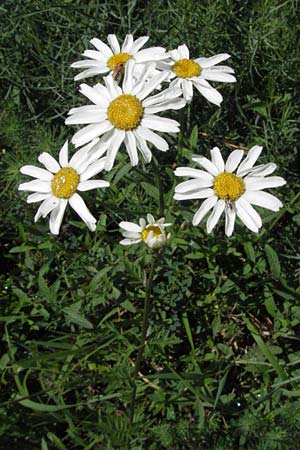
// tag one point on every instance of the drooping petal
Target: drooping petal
(246, 218)
(115, 143)
(130, 143)
(57, 215)
(220, 76)
(46, 207)
(204, 208)
(230, 215)
(215, 215)
(210, 93)
(160, 123)
(79, 206)
(152, 137)
(93, 169)
(37, 197)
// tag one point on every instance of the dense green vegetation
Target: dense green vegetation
(221, 368)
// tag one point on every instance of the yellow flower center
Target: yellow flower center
(125, 112)
(118, 59)
(156, 232)
(186, 68)
(65, 182)
(228, 186)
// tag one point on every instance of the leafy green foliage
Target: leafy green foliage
(221, 364)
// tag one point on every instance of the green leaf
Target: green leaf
(273, 261)
(78, 319)
(150, 190)
(194, 137)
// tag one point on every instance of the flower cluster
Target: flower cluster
(138, 85)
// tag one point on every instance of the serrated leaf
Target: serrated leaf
(78, 319)
(150, 190)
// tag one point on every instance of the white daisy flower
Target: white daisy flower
(195, 72)
(232, 193)
(111, 59)
(126, 114)
(152, 234)
(58, 185)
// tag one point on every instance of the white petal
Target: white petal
(230, 215)
(262, 170)
(84, 109)
(150, 219)
(130, 241)
(36, 186)
(215, 215)
(103, 48)
(63, 155)
(245, 217)
(152, 84)
(143, 147)
(81, 156)
(130, 143)
(130, 226)
(92, 184)
(213, 60)
(78, 204)
(94, 54)
(117, 139)
(183, 51)
(131, 234)
(193, 173)
(204, 208)
(37, 197)
(211, 94)
(251, 211)
(57, 215)
(187, 89)
(112, 86)
(91, 93)
(36, 172)
(138, 44)
(150, 54)
(208, 165)
(46, 207)
(233, 160)
(49, 162)
(128, 81)
(160, 123)
(89, 132)
(93, 169)
(258, 183)
(192, 185)
(192, 195)
(142, 223)
(90, 73)
(214, 75)
(217, 159)
(263, 199)
(152, 137)
(113, 42)
(87, 117)
(166, 106)
(127, 44)
(250, 159)
(164, 96)
(89, 64)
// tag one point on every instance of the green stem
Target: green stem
(159, 186)
(147, 306)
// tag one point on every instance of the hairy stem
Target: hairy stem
(147, 307)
